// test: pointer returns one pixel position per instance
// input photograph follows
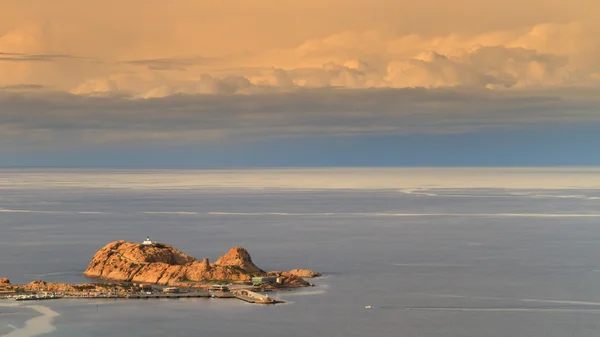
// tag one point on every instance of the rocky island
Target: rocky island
(161, 264)
(132, 269)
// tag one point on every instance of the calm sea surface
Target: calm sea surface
(434, 252)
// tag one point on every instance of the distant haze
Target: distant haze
(402, 179)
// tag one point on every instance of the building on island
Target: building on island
(143, 287)
(148, 241)
(218, 287)
(258, 281)
(170, 290)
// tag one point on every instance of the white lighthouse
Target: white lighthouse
(148, 241)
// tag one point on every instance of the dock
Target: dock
(37, 298)
(254, 297)
(240, 294)
(198, 294)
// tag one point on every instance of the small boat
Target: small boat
(368, 307)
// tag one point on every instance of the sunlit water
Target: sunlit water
(434, 252)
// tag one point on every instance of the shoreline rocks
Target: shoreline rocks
(305, 273)
(5, 284)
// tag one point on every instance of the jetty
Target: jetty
(35, 297)
(243, 294)
(254, 297)
(195, 294)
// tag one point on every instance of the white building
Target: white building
(148, 241)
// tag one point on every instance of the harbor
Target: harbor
(215, 292)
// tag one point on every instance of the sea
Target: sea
(427, 252)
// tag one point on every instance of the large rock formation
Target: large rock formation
(239, 257)
(162, 264)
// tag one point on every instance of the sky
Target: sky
(192, 83)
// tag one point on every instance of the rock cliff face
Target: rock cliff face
(164, 265)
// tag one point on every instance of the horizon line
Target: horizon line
(291, 167)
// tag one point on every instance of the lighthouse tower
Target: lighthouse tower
(147, 241)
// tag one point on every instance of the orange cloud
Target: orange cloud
(150, 49)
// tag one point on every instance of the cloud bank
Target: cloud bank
(530, 56)
(201, 71)
(61, 119)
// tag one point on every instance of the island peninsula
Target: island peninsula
(161, 264)
(130, 267)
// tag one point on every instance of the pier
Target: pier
(240, 294)
(254, 297)
(196, 294)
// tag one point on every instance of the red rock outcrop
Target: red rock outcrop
(164, 265)
(5, 284)
(68, 288)
(305, 273)
(287, 279)
(239, 257)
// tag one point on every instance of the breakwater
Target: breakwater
(241, 294)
